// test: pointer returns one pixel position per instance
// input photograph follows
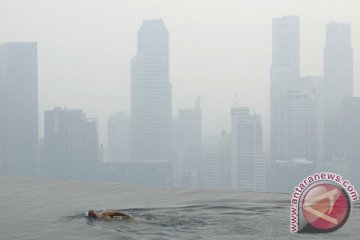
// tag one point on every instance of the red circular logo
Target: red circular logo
(326, 207)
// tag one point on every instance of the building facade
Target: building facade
(295, 103)
(71, 145)
(19, 141)
(151, 98)
(188, 141)
(248, 159)
(342, 140)
(338, 66)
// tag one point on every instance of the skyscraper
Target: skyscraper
(18, 109)
(248, 158)
(285, 65)
(151, 101)
(213, 167)
(216, 161)
(342, 140)
(295, 103)
(189, 141)
(297, 119)
(295, 107)
(338, 66)
(284, 71)
(71, 145)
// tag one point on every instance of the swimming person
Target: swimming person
(109, 214)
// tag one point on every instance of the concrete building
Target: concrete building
(247, 158)
(216, 162)
(188, 145)
(296, 122)
(338, 66)
(19, 141)
(71, 145)
(118, 137)
(285, 65)
(342, 141)
(151, 101)
(285, 70)
(295, 103)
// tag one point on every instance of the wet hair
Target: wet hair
(92, 214)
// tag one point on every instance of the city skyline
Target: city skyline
(99, 63)
(179, 119)
(155, 140)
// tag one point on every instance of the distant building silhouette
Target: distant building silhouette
(338, 66)
(297, 121)
(216, 162)
(285, 65)
(247, 158)
(118, 135)
(71, 145)
(19, 109)
(342, 140)
(295, 103)
(151, 101)
(285, 70)
(189, 145)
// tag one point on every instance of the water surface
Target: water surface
(45, 209)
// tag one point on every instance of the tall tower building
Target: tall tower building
(296, 121)
(295, 103)
(18, 109)
(188, 144)
(342, 140)
(248, 159)
(285, 65)
(338, 66)
(285, 70)
(190, 136)
(151, 101)
(216, 157)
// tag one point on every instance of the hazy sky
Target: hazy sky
(217, 48)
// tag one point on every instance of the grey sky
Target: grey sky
(217, 48)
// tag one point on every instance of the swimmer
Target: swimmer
(109, 214)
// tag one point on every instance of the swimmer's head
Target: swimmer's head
(92, 214)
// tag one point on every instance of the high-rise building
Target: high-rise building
(338, 66)
(342, 140)
(189, 141)
(213, 167)
(295, 103)
(71, 145)
(118, 135)
(284, 70)
(296, 121)
(216, 161)
(18, 109)
(285, 65)
(247, 156)
(151, 101)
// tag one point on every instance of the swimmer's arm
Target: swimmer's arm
(108, 215)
